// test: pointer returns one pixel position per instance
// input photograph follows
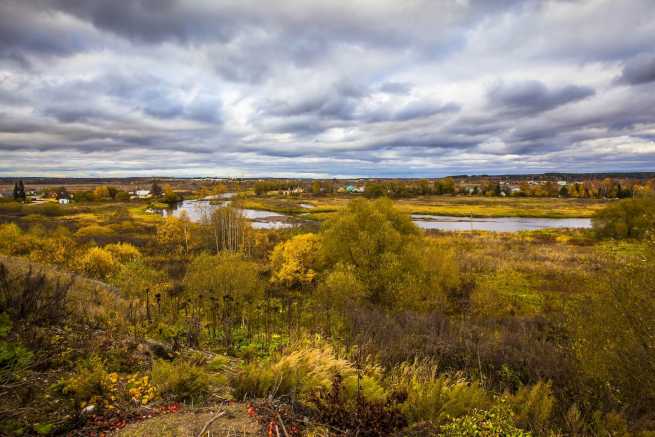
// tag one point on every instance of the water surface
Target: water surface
(197, 210)
(261, 219)
(496, 224)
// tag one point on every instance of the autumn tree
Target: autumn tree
(337, 295)
(628, 218)
(176, 234)
(371, 237)
(294, 269)
(170, 196)
(101, 192)
(229, 230)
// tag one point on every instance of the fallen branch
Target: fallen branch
(210, 421)
(284, 429)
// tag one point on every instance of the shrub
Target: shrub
(533, 406)
(430, 397)
(98, 263)
(613, 337)
(13, 357)
(182, 381)
(306, 372)
(496, 422)
(123, 252)
(12, 240)
(90, 385)
(32, 299)
(629, 218)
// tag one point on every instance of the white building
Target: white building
(142, 194)
(63, 201)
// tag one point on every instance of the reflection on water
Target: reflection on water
(497, 224)
(197, 210)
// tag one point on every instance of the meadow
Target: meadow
(113, 318)
(459, 206)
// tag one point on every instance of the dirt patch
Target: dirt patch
(188, 423)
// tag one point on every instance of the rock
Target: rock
(156, 350)
(89, 409)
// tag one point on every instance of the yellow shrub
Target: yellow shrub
(91, 385)
(123, 252)
(13, 241)
(98, 263)
(304, 372)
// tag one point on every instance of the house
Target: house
(296, 190)
(354, 189)
(142, 194)
(64, 201)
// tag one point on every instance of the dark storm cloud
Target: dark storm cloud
(639, 70)
(27, 32)
(533, 96)
(150, 21)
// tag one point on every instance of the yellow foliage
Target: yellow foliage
(101, 192)
(98, 263)
(306, 371)
(295, 260)
(123, 252)
(174, 235)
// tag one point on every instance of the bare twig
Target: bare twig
(284, 429)
(210, 421)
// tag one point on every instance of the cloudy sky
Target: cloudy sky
(332, 88)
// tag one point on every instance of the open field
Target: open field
(460, 206)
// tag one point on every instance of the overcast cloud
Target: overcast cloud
(325, 88)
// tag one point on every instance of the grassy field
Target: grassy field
(461, 206)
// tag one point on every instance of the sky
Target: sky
(358, 88)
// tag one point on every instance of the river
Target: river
(197, 209)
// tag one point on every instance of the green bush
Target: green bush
(496, 422)
(13, 357)
(629, 218)
(533, 406)
(91, 384)
(435, 398)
